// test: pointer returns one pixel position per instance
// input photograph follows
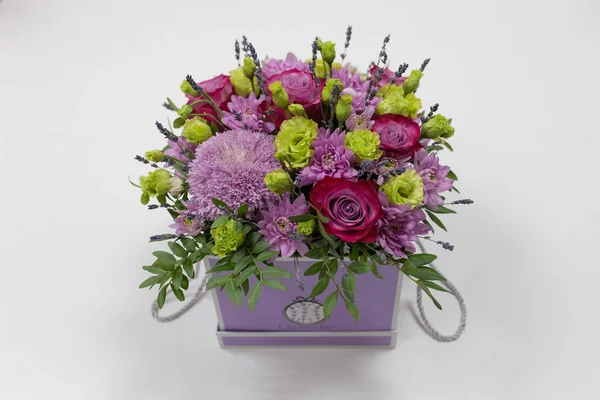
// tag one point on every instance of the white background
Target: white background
(81, 83)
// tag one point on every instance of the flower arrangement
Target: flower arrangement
(292, 158)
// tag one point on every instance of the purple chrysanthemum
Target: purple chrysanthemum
(361, 118)
(434, 177)
(245, 113)
(399, 227)
(350, 80)
(330, 158)
(273, 66)
(188, 222)
(232, 167)
(177, 149)
(276, 227)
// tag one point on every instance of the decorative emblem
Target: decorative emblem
(304, 311)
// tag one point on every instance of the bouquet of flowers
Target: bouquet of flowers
(292, 158)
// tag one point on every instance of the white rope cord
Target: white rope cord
(426, 325)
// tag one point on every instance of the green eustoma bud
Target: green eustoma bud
(156, 183)
(279, 181)
(297, 110)
(343, 108)
(185, 111)
(412, 82)
(328, 52)
(326, 93)
(405, 188)
(249, 68)
(438, 126)
(196, 130)
(364, 143)
(155, 155)
(280, 96)
(187, 89)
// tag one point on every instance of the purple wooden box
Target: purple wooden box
(290, 318)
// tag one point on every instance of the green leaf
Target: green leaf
(302, 218)
(448, 146)
(162, 295)
(189, 244)
(161, 198)
(455, 189)
(153, 269)
(436, 220)
(352, 309)
(359, 267)
(245, 274)
(266, 255)
(188, 267)
(254, 295)
(327, 237)
(221, 268)
(452, 176)
(201, 239)
(320, 287)
(330, 303)
(428, 274)
(422, 258)
(153, 280)
(165, 260)
(260, 246)
(134, 184)
(376, 271)
(435, 286)
(354, 253)
(220, 204)
(332, 266)
(442, 210)
(242, 210)
(275, 285)
(409, 268)
(246, 287)
(323, 218)
(219, 221)
(246, 229)
(177, 249)
(276, 272)
(348, 284)
(428, 293)
(314, 269)
(185, 282)
(234, 293)
(316, 253)
(239, 253)
(252, 238)
(176, 279)
(215, 281)
(178, 123)
(177, 292)
(243, 263)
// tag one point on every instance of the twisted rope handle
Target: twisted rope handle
(426, 325)
(200, 292)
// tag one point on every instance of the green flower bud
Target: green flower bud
(326, 93)
(320, 67)
(343, 108)
(305, 228)
(319, 44)
(405, 188)
(176, 186)
(293, 141)
(157, 182)
(414, 105)
(187, 89)
(328, 52)
(196, 130)
(249, 68)
(279, 181)
(280, 96)
(185, 111)
(155, 155)
(241, 84)
(412, 82)
(438, 126)
(228, 237)
(364, 143)
(297, 109)
(393, 103)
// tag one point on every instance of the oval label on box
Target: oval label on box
(304, 311)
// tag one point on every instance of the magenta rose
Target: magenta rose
(299, 85)
(353, 208)
(387, 76)
(220, 89)
(399, 136)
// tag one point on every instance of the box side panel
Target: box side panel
(309, 341)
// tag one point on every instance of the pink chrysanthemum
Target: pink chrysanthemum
(279, 230)
(273, 66)
(188, 222)
(231, 167)
(435, 177)
(399, 227)
(245, 113)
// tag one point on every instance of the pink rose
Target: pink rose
(399, 136)
(220, 89)
(299, 85)
(386, 77)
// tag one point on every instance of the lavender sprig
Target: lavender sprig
(262, 86)
(445, 245)
(348, 37)
(432, 110)
(165, 236)
(313, 64)
(167, 133)
(334, 95)
(145, 161)
(462, 201)
(168, 106)
(237, 52)
(425, 62)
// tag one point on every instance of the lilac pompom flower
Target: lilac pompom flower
(435, 177)
(277, 228)
(232, 167)
(399, 227)
(330, 158)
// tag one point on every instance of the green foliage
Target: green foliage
(435, 219)
(329, 304)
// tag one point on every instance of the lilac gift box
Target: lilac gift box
(292, 318)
